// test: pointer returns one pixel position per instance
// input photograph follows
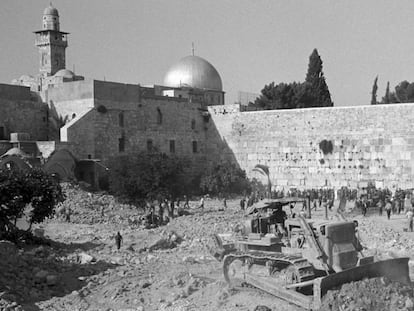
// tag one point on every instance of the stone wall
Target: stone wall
(369, 143)
(121, 111)
(22, 111)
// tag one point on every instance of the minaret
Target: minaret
(51, 43)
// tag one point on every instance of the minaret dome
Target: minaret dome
(51, 18)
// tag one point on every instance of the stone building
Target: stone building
(96, 120)
(73, 125)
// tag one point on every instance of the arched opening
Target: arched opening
(159, 116)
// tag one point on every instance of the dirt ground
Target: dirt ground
(167, 268)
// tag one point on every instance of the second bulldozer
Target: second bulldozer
(302, 263)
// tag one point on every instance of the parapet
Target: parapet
(224, 109)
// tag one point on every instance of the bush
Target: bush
(225, 178)
(21, 189)
(146, 176)
(326, 146)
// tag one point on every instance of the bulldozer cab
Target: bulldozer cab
(329, 245)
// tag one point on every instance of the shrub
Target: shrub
(146, 176)
(326, 146)
(18, 190)
(225, 178)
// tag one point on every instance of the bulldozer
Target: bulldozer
(302, 263)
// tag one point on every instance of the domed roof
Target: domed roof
(193, 71)
(50, 10)
(65, 73)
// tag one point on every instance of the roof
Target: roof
(195, 72)
(272, 203)
(50, 10)
(51, 30)
(65, 73)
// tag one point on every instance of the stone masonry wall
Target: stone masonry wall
(141, 123)
(370, 143)
(21, 111)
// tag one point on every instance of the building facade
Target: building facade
(61, 117)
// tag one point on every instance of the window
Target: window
(2, 133)
(149, 145)
(172, 146)
(195, 147)
(193, 124)
(159, 116)
(121, 144)
(121, 119)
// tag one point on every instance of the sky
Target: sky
(250, 42)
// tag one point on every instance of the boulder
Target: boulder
(84, 258)
(7, 248)
(41, 276)
(51, 280)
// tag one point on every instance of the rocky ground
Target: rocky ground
(167, 268)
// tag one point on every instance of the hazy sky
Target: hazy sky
(251, 43)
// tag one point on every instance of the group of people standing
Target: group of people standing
(402, 202)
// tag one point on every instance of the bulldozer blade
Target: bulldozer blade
(395, 269)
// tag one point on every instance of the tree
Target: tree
(374, 92)
(225, 178)
(386, 99)
(146, 176)
(20, 190)
(313, 92)
(316, 79)
(404, 93)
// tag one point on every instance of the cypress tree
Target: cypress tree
(374, 92)
(316, 79)
(387, 94)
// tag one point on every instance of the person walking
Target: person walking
(161, 209)
(410, 215)
(381, 207)
(388, 208)
(242, 203)
(68, 212)
(201, 202)
(186, 203)
(225, 203)
(118, 240)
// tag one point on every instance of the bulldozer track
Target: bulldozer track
(303, 268)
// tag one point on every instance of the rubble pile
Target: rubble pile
(384, 241)
(94, 208)
(36, 273)
(377, 294)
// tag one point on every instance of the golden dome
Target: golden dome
(193, 71)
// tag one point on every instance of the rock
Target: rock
(118, 260)
(189, 259)
(84, 258)
(51, 280)
(39, 232)
(7, 247)
(409, 304)
(41, 276)
(146, 284)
